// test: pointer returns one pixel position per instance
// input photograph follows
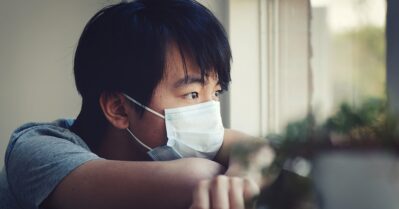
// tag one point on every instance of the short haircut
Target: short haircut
(123, 49)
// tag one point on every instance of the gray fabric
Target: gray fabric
(38, 157)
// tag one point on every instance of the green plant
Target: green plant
(370, 126)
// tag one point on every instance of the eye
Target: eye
(192, 95)
(218, 93)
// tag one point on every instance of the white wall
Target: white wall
(295, 80)
(321, 63)
(245, 87)
(271, 81)
(37, 44)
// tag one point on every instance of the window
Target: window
(271, 77)
(292, 57)
(348, 42)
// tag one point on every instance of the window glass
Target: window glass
(348, 52)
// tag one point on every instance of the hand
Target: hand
(250, 159)
(241, 182)
(223, 192)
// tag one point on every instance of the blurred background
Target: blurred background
(289, 58)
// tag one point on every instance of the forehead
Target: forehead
(179, 64)
(176, 66)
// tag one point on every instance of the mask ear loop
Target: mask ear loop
(145, 107)
(149, 148)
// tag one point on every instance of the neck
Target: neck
(108, 142)
(118, 145)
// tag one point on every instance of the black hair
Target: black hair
(123, 49)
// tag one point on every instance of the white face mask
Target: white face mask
(192, 131)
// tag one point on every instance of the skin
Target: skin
(129, 179)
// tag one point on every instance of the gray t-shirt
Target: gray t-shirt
(38, 157)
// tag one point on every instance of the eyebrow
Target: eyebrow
(189, 80)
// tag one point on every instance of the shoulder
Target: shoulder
(58, 129)
(35, 142)
(39, 156)
(31, 135)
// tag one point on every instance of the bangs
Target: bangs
(200, 37)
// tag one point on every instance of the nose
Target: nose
(207, 99)
(209, 89)
(209, 95)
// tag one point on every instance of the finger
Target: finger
(201, 195)
(250, 189)
(220, 192)
(236, 193)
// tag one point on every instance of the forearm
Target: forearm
(118, 184)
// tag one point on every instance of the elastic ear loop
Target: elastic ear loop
(145, 107)
(149, 148)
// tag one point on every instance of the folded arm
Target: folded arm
(231, 137)
(121, 184)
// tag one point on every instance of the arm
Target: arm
(231, 137)
(121, 184)
(118, 184)
(241, 182)
(259, 153)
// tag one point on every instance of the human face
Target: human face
(173, 91)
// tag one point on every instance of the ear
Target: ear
(114, 107)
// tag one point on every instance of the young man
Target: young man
(149, 134)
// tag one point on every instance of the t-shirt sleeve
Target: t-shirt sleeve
(36, 165)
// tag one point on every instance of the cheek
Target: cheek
(155, 131)
(157, 103)
(160, 129)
